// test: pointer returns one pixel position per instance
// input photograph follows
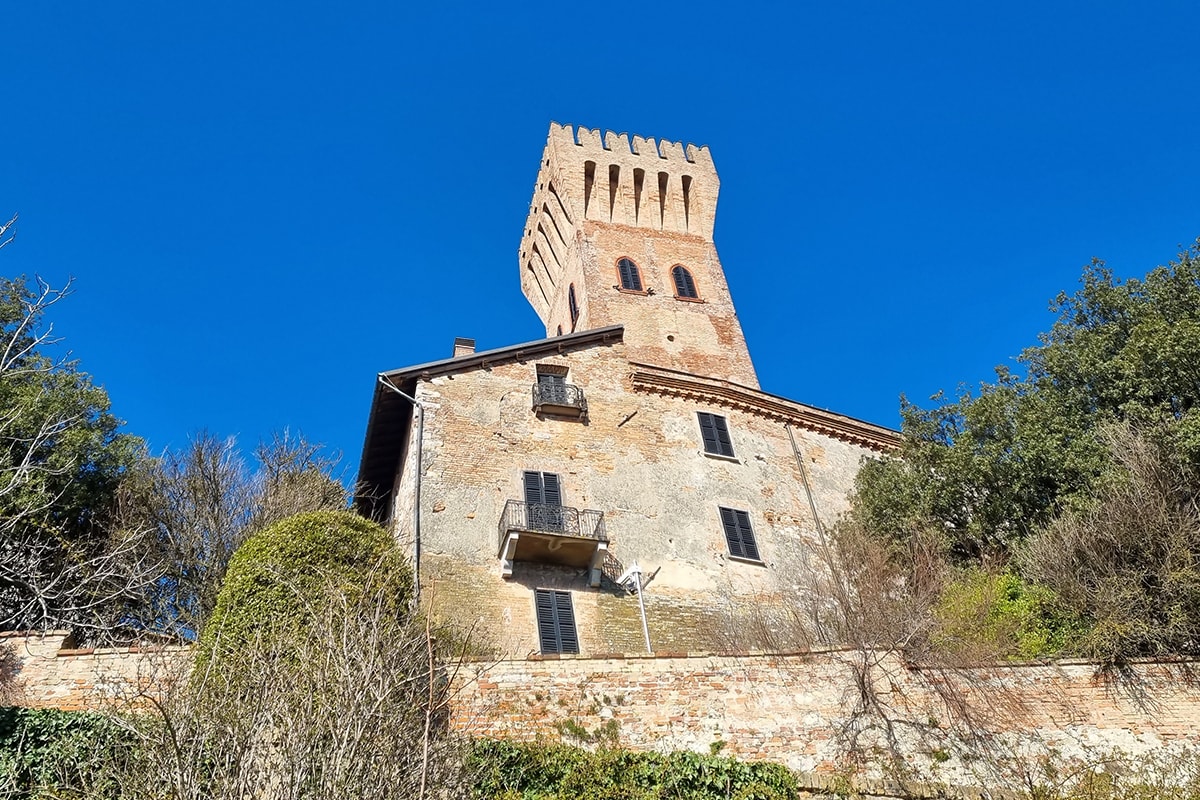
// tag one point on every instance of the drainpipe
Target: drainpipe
(417, 500)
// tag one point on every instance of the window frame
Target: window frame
(564, 639)
(739, 535)
(680, 270)
(716, 432)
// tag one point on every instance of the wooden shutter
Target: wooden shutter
(568, 638)
(630, 277)
(738, 533)
(543, 487)
(546, 612)
(533, 487)
(556, 622)
(708, 433)
(684, 285)
(714, 432)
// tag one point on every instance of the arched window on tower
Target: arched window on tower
(573, 305)
(685, 286)
(631, 278)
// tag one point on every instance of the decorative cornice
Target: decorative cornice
(743, 398)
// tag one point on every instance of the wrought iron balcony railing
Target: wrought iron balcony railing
(555, 520)
(559, 397)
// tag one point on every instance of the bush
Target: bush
(556, 772)
(51, 752)
(983, 616)
(278, 574)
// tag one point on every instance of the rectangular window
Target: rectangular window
(714, 432)
(543, 502)
(556, 622)
(552, 388)
(738, 534)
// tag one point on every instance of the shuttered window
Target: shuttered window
(631, 278)
(556, 622)
(543, 488)
(685, 286)
(543, 502)
(574, 306)
(738, 533)
(714, 432)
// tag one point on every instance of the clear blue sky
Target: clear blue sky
(264, 204)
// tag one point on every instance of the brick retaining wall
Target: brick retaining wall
(815, 712)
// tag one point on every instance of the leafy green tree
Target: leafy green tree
(62, 457)
(991, 466)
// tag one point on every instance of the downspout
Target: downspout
(417, 489)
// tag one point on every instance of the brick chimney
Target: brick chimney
(463, 347)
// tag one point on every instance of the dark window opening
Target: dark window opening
(556, 622)
(559, 331)
(685, 286)
(631, 278)
(574, 306)
(714, 432)
(738, 534)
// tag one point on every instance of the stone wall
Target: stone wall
(981, 726)
(45, 671)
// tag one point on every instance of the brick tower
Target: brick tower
(622, 233)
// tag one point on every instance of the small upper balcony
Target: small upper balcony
(559, 398)
(551, 534)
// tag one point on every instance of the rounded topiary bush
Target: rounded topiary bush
(286, 572)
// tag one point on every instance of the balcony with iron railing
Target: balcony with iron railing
(552, 534)
(559, 398)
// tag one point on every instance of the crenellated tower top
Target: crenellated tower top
(604, 202)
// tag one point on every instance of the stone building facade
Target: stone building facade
(526, 480)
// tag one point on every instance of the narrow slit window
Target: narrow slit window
(738, 533)
(714, 432)
(573, 305)
(685, 285)
(555, 622)
(631, 277)
(589, 180)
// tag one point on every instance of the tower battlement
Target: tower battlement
(606, 202)
(609, 178)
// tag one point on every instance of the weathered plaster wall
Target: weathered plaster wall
(638, 458)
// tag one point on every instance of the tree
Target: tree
(200, 505)
(1073, 487)
(62, 457)
(990, 467)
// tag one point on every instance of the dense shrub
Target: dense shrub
(982, 616)
(277, 576)
(510, 771)
(50, 751)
